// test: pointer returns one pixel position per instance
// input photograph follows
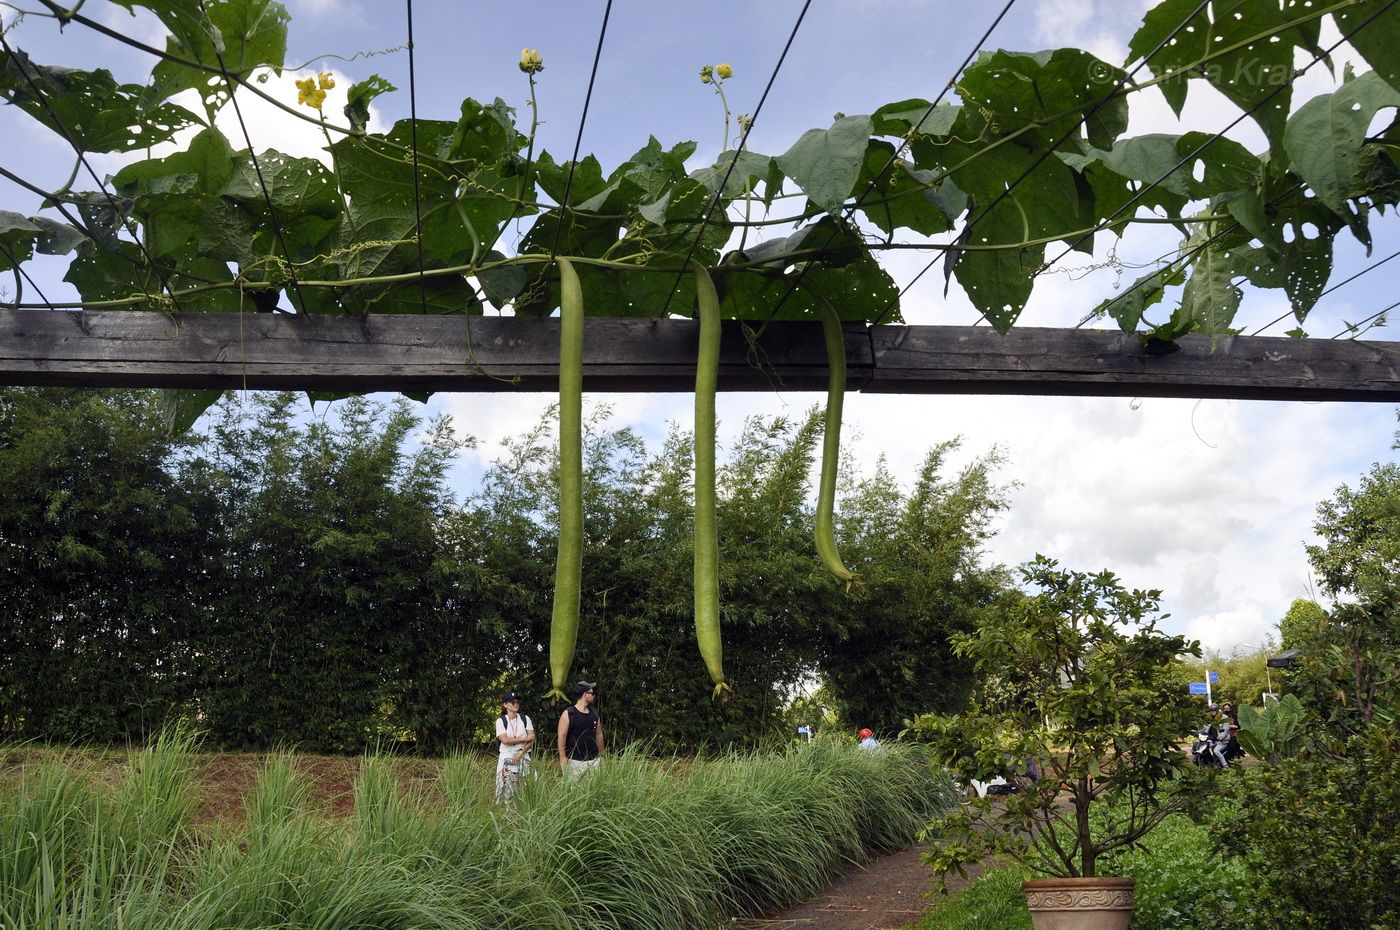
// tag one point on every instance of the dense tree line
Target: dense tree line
(297, 576)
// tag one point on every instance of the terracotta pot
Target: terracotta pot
(1080, 903)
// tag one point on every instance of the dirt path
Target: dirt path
(886, 893)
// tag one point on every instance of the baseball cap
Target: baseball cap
(583, 686)
(866, 732)
(509, 696)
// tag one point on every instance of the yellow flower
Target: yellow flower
(724, 71)
(326, 79)
(308, 94)
(530, 61)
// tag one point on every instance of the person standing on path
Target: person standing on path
(580, 732)
(517, 735)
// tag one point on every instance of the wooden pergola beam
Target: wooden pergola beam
(437, 353)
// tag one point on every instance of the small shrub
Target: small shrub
(1318, 837)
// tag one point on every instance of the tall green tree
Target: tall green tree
(102, 549)
(326, 591)
(1353, 660)
(920, 556)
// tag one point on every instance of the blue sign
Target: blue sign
(1198, 687)
(1213, 676)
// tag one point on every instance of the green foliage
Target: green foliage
(1304, 620)
(637, 845)
(1033, 153)
(1180, 883)
(1274, 733)
(309, 579)
(1351, 670)
(1318, 837)
(993, 901)
(1078, 677)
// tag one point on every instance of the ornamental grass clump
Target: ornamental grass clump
(635, 845)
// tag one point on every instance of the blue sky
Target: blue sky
(1210, 501)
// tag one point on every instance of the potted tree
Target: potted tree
(1075, 702)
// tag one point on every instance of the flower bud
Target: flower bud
(724, 71)
(530, 61)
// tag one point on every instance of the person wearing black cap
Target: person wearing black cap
(580, 732)
(517, 734)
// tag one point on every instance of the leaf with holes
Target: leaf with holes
(237, 36)
(1210, 298)
(999, 281)
(1323, 139)
(1255, 77)
(899, 196)
(96, 112)
(1374, 28)
(1051, 93)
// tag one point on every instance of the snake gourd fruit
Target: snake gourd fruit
(568, 567)
(707, 629)
(831, 444)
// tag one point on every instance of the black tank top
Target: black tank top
(581, 742)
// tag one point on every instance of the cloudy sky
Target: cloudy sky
(1211, 501)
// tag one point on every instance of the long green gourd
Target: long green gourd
(831, 443)
(568, 568)
(707, 630)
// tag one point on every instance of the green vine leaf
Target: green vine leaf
(1211, 298)
(1323, 139)
(825, 163)
(1050, 91)
(1374, 28)
(359, 96)
(1254, 77)
(1127, 309)
(243, 34)
(99, 114)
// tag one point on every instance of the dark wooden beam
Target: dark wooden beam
(435, 353)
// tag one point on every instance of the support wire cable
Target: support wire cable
(20, 271)
(1364, 271)
(1209, 141)
(1355, 328)
(796, 280)
(1216, 136)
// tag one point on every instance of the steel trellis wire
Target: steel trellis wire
(738, 150)
(82, 157)
(1214, 137)
(578, 139)
(1355, 328)
(20, 270)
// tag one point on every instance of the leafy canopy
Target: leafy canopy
(1029, 161)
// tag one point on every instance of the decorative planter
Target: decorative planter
(1080, 903)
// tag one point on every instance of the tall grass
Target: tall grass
(637, 845)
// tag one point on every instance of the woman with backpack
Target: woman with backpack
(516, 733)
